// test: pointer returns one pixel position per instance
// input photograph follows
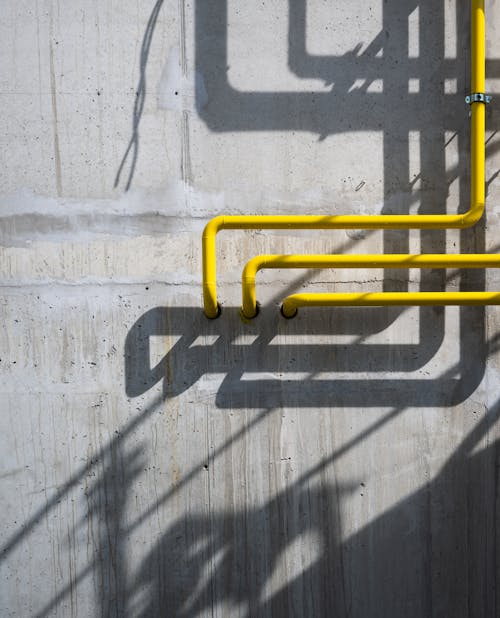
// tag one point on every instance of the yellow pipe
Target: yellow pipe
(478, 46)
(430, 260)
(370, 299)
(316, 222)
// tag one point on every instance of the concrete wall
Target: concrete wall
(156, 463)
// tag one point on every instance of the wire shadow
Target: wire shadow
(140, 97)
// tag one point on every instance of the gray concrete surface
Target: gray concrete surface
(155, 463)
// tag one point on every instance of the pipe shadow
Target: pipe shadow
(230, 109)
(223, 346)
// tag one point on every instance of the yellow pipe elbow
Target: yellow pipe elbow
(430, 260)
(209, 249)
(249, 306)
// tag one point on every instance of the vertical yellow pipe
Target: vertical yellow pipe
(478, 41)
(477, 182)
(478, 110)
(209, 251)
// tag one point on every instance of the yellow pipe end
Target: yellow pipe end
(211, 307)
(248, 312)
(288, 309)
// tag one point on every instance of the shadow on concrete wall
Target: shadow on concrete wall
(429, 555)
(189, 360)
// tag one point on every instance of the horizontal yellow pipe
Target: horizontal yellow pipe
(316, 222)
(430, 260)
(371, 299)
(379, 299)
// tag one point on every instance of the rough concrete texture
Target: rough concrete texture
(156, 463)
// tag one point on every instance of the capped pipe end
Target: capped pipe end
(217, 315)
(245, 317)
(288, 316)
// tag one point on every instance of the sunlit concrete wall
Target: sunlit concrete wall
(156, 463)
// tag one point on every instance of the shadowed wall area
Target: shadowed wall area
(157, 463)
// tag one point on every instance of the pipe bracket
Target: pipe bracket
(478, 97)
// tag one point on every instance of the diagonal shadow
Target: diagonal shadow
(413, 560)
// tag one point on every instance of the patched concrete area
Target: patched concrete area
(157, 463)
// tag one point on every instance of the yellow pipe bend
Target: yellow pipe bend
(377, 299)
(467, 219)
(430, 260)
